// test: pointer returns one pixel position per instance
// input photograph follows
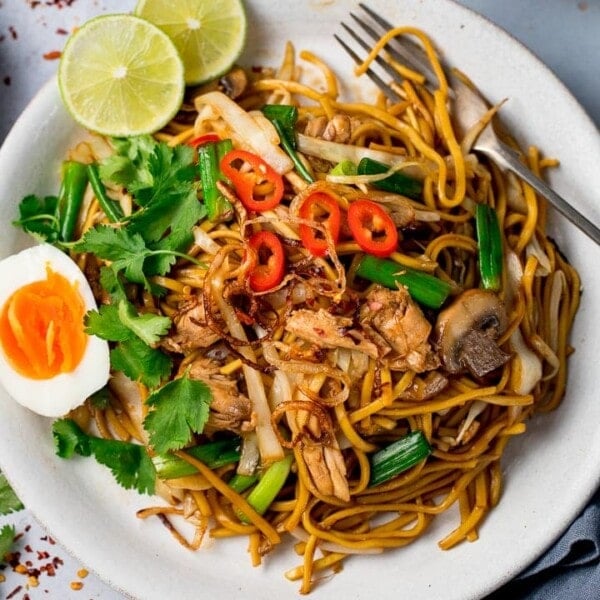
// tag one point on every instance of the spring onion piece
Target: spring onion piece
(111, 208)
(70, 197)
(490, 246)
(287, 116)
(397, 183)
(212, 454)
(218, 208)
(246, 130)
(283, 118)
(240, 483)
(346, 168)
(270, 484)
(399, 456)
(423, 288)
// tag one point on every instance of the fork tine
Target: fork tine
(378, 19)
(382, 63)
(404, 50)
(382, 85)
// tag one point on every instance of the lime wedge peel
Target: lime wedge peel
(120, 75)
(209, 34)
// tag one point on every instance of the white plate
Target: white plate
(550, 472)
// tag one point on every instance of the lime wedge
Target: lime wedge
(120, 75)
(209, 34)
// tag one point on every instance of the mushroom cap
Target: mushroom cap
(466, 332)
(234, 82)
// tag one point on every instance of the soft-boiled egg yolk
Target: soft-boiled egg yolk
(41, 327)
(48, 362)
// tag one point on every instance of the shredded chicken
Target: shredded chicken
(399, 328)
(323, 459)
(328, 331)
(327, 470)
(229, 410)
(399, 208)
(337, 129)
(190, 330)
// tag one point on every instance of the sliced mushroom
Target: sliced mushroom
(466, 333)
(234, 83)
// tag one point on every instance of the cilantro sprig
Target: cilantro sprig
(178, 410)
(163, 183)
(118, 322)
(7, 537)
(37, 216)
(9, 502)
(140, 362)
(135, 335)
(129, 252)
(129, 463)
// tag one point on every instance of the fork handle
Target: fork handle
(506, 157)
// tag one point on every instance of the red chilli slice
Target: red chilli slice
(372, 228)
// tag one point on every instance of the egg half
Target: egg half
(47, 361)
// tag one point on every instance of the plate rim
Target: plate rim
(50, 88)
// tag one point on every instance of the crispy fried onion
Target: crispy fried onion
(222, 268)
(254, 309)
(316, 429)
(334, 390)
(308, 270)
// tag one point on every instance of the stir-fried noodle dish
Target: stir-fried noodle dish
(359, 315)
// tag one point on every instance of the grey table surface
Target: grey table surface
(564, 34)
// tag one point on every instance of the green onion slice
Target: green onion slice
(212, 454)
(489, 238)
(397, 183)
(399, 456)
(423, 288)
(270, 484)
(218, 208)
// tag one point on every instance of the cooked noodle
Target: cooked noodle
(333, 406)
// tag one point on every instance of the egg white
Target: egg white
(56, 396)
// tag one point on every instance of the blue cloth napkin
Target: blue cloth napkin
(570, 570)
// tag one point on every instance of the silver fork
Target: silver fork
(468, 108)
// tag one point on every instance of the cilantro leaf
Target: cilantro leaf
(129, 463)
(175, 212)
(178, 410)
(140, 362)
(148, 327)
(106, 324)
(147, 168)
(120, 322)
(111, 282)
(37, 216)
(163, 182)
(7, 537)
(126, 251)
(135, 334)
(171, 169)
(128, 165)
(69, 439)
(8, 499)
